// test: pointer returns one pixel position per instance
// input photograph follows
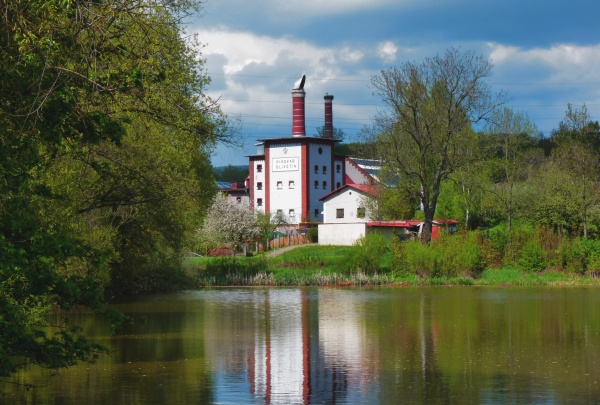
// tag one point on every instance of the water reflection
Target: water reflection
(341, 346)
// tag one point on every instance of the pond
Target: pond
(338, 346)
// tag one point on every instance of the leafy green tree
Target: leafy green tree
(268, 224)
(510, 139)
(95, 98)
(427, 128)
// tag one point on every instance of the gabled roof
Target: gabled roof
(365, 188)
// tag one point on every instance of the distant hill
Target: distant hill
(231, 173)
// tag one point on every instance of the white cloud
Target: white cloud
(564, 63)
(387, 51)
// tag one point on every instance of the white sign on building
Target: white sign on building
(286, 164)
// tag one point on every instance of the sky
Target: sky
(545, 53)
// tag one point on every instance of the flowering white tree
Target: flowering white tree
(229, 223)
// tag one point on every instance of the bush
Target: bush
(448, 256)
(369, 252)
(532, 257)
(313, 235)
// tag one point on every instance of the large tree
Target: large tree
(98, 102)
(426, 130)
(509, 140)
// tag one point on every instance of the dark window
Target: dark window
(324, 185)
(316, 184)
(259, 202)
(239, 199)
(292, 184)
(338, 168)
(316, 168)
(324, 169)
(316, 212)
(339, 213)
(259, 168)
(337, 185)
(280, 184)
(259, 185)
(360, 213)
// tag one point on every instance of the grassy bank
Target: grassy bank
(337, 266)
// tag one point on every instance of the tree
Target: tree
(510, 136)
(268, 223)
(427, 128)
(577, 145)
(338, 133)
(229, 223)
(78, 186)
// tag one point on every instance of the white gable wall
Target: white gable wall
(349, 200)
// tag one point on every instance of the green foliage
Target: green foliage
(313, 235)
(104, 145)
(369, 252)
(448, 256)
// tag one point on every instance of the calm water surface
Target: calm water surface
(339, 346)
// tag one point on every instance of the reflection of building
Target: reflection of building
(304, 350)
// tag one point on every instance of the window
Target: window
(316, 184)
(339, 213)
(259, 185)
(316, 212)
(292, 213)
(360, 213)
(338, 185)
(259, 168)
(259, 202)
(280, 211)
(279, 185)
(338, 168)
(292, 184)
(324, 185)
(239, 199)
(324, 169)
(316, 168)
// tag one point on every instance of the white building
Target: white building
(291, 174)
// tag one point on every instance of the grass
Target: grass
(333, 266)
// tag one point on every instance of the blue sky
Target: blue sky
(546, 53)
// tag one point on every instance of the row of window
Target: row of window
(291, 212)
(292, 185)
(338, 168)
(360, 213)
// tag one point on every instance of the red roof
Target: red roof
(365, 188)
(395, 224)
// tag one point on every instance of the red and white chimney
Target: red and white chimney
(298, 121)
(328, 128)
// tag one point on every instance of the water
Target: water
(339, 346)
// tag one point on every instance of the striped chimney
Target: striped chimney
(298, 94)
(328, 128)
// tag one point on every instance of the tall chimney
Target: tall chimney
(328, 128)
(298, 126)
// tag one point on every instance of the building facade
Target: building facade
(291, 174)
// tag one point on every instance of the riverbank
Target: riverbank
(335, 266)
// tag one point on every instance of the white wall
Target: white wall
(321, 160)
(356, 175)
(348, 199)
(285, 167)
(341, 234)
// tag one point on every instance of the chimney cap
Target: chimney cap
(299, 85)
(328, 96)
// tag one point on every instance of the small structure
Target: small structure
(347, 234)
(348, 204)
